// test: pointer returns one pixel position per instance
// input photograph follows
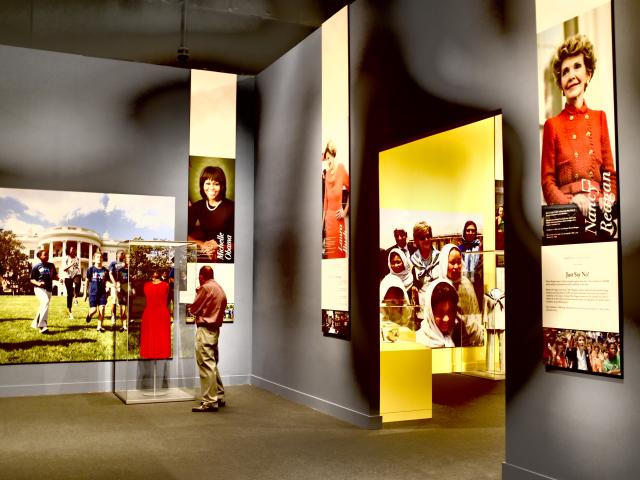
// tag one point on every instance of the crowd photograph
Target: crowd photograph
(594, 352)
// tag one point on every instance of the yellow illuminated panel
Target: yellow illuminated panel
(452, 171)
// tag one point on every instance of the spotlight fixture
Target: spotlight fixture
(183, 50)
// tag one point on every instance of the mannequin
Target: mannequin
(494, 321)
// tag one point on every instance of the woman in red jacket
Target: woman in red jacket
(577, 164)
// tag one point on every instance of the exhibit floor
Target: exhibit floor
(258, 435)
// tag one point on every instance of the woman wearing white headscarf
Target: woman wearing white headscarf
(394, 302)
(440, 326)
(450, 268)
(400, 267)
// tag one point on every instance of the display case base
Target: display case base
(405, 382)
(175, 394)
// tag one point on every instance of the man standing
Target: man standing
(208, 310)
(400, 235)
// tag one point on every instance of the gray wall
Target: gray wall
(423, 66)
(83, 124)
(567, 425)
(290, 354)
(235, 338)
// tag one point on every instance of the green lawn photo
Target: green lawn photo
(68, 340)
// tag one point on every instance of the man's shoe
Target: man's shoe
(44, 330)
(222, 403)
(88, 319)
(205, 408)
(70, 316)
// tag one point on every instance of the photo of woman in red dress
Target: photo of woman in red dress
(335, 204)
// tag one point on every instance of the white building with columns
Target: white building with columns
(58, 239)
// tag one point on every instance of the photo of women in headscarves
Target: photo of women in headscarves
(211, 208)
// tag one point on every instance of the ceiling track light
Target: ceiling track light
(183, 50)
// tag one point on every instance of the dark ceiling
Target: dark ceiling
(238, 36)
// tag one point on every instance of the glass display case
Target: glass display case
(489, 362)
(154, 354)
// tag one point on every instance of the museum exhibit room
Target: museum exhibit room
(274, 239)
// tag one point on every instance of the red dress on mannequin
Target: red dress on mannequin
(155, 332)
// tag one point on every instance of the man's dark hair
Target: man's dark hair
(206, 272)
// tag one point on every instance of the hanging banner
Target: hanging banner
(335, 176)
(579, 188)
(211, 189)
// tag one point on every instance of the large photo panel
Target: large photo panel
(336, 189)
(65, 267)
(437, 217)
(211, 189)
(579, 187)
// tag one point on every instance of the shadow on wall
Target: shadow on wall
(629, 94)
(288, 190)
(392, 108)
(151, 109)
